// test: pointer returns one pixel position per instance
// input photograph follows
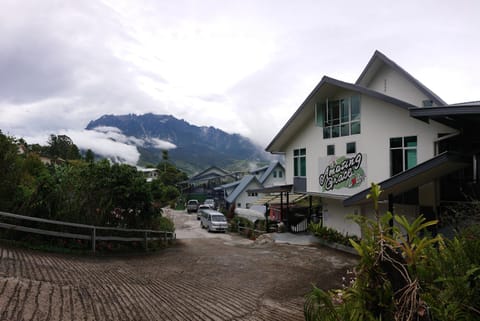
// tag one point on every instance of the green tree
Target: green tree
(62, 146)
(10, 172)
(89, 156)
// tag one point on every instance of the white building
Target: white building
(386, 128)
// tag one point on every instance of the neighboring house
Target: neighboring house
(238, 194)
(245, 192)
(386, 128)
(149, 173)
(206, 180)
(271, 175)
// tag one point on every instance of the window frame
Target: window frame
(403, 146)
(300, 162)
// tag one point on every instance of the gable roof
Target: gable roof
(328, 85)
(269, 170)
(210, 172)
(378, 60)
(242, 185)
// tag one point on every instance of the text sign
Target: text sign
(343, 173)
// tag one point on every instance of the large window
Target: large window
(403, 154)
(300, 162)
(339, 117)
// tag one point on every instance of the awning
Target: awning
(273, 189)
(419, 175)
(277, 199)
(249, 214)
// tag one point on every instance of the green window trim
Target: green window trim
(300, 162)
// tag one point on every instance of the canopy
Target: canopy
(249, 214)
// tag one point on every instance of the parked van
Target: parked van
(213, 221)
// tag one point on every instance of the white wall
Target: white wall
(335, 216)
(274, 181)
(244, 199)
(380, 121)
(396, 86)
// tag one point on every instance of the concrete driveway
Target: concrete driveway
(204, 276)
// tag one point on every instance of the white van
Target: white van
(213, 221)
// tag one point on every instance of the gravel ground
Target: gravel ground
(204, 276)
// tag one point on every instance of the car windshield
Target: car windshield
(192, 202)
(219, 218)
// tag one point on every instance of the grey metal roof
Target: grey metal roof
(339, 84)
(242, 184)
(269, 170)
(457, 116)
(373, 66)
(425, 172)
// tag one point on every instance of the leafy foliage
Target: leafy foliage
(330, 235)
(88, 192)
(405, 274)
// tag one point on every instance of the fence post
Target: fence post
(93, 239)
(146, 240)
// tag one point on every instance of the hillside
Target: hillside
(197, 147)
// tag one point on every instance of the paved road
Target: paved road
(205, 276)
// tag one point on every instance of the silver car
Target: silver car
(213, 221)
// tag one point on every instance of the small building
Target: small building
(150, 174)
(385, 128)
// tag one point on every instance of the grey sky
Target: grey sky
(241, 66)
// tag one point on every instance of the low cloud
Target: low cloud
(107, 142)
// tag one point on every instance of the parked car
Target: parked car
(210, 202)
(201, 208)
(213, 221)
(192, 206)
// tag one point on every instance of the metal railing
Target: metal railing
(146, 235)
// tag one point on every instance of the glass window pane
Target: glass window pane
(335, 131)
(410, 141)
(355, 108)
(396, 142)
(396, 160)
(320, 112)
(330, 150)
(295, 167)
(345, 129)
(303, 151)
(345, 117)
(410, 158)
(335, 110)
(295, 152)
(303, 166)
(351, 148)
(327, 132)
(355, 128)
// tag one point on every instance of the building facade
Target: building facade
(385, 128)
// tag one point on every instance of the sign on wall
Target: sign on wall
(342, 172)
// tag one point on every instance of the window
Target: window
(330, 150)
(403, 154)
(280, 173)
(299, 162)
(274, 174)
(351, 148)
(339, 117)
(252, 194)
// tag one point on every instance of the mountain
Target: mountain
(196, 147)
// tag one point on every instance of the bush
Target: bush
(331, 235)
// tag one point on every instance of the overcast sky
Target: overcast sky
(241, 66)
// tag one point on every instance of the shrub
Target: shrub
(331, 235)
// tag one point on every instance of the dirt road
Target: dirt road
(203, 277)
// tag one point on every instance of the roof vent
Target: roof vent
(427, 103)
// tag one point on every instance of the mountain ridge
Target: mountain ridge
(197, 147)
